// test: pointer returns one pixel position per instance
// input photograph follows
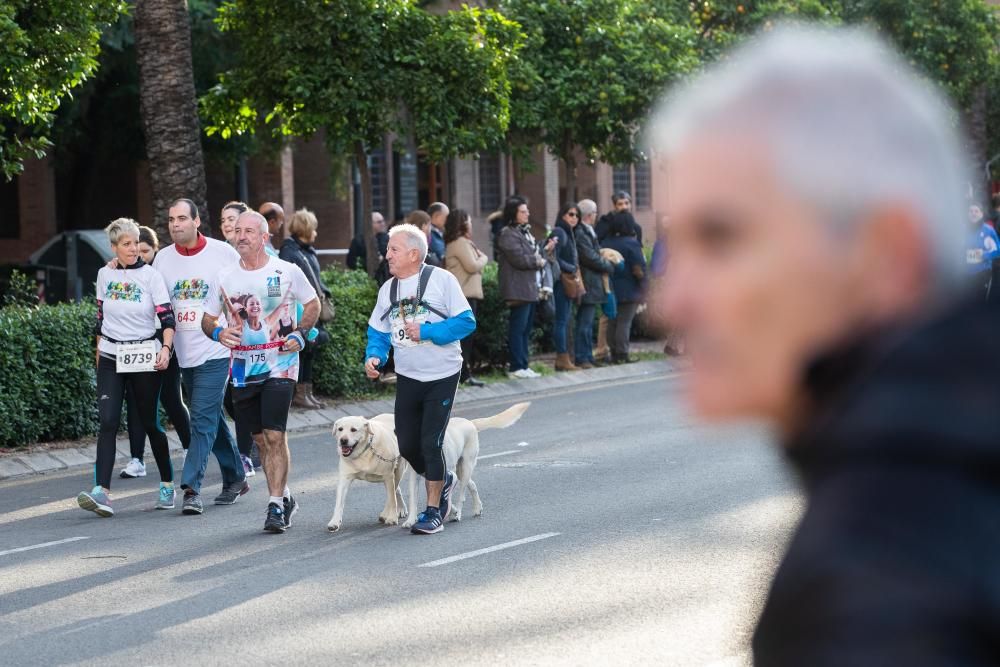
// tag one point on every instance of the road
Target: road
(616, 530)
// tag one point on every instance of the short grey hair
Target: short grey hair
(851, 127)
(415, 238)
(122, 227)
(261, 220)
(587, 206)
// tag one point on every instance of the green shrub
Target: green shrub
(490, 337)
(339, 365)
(47, 378)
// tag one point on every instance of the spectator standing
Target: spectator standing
(275, 216)
(439, 215)
(566, 267)
(593, 269)
(298, 250)
(357, 254)
(629, 283)
(519, 265)
(227, 220)
(466, 262)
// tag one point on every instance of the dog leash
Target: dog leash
(370, 447)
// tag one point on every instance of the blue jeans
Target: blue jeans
(206, 386)
(519, 334)
(583, 336)
(563, 309)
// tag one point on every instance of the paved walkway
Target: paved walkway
(52, 457)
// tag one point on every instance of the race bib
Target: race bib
(188, 319)
(399, 337)
(974, 256)
(135, 357)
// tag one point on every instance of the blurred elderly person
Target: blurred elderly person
(817, 270)
(466, 262)
(298, 250)
(593, 269)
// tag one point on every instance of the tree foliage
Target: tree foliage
(47, 48)
(590, 71)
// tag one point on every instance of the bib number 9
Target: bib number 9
(135, 357)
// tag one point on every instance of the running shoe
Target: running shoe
(248, 466)
(231, 493)
(428, 523)
(96, 501)
(275, 521)
(192, 503)
(445, 502)
(134, 468)
(290, 507)
(165, 499)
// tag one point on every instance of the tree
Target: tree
(591, 72)
(168, 105)
(359, 69)
(47, 48)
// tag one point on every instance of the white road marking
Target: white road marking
(42, 545)
(487, 550)
(490, 456)
(522, 444)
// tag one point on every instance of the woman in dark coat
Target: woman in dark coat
(593, 268)
(567, 262)
(630, 283)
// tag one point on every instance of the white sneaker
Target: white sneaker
(523, 374)
(134, 468)
(532, 373)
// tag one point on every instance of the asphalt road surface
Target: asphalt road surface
(616, 531)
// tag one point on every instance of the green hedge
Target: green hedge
(47, 379)
(338, 369)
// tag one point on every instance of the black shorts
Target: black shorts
(264, 405)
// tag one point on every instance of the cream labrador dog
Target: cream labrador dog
(369, 452)
(461, 452)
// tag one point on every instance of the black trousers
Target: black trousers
(111, 388)
(422, 413)
(467, 346)
(173, 403)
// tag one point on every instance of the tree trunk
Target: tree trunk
(570, 163)
(168, 106)
(371, 247)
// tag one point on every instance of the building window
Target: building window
(10, 209)
(380, 182)
(490, 183)
(635, 180)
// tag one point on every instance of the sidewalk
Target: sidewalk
(53, 457)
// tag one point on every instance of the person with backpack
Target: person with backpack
(422, 315)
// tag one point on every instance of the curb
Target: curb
(81, 455)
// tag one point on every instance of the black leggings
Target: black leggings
(173, 404)
(111, 391)
(422, 413)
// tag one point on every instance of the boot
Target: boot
(300, 400)
(564, 363)
(312, 397)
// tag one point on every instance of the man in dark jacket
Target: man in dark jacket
(357, 253)
(621, 202)
(827, 296)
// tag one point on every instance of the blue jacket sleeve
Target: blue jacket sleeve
(449, 330)
(378, 345)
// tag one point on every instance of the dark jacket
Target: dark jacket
(565, 249)
(518, 264)
(357, 254)
(603, 227)
(896, 559)
(593, 267)
(304, 256)
(629, 283)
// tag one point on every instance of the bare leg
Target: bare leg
(434, 493)
(275, 459)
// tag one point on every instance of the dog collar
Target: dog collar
(370, 447)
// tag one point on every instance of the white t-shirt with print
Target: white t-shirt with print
(423, 361)
(128, 302)
(264, 300)
(189, 280)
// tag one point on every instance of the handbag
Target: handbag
(572, 284)
(326, 310)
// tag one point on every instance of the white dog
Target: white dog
(369, 452)
(461, 451)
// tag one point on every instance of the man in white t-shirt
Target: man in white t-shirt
(190, 268)
(422, 313)
(258, 297)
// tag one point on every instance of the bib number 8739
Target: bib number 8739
(135, 357)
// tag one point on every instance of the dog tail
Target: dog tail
(506, 418)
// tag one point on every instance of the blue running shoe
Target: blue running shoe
(445, 503)
(165, 499)
(96, 501)
(275, 521)
(428, 523)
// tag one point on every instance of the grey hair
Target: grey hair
(586, 206)
(261, 220)
(415, 238)
(122, 227)
(850, 127)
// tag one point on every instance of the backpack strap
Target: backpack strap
(425, 278)
(393, 297)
